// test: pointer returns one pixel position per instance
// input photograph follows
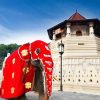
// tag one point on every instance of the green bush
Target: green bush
(4, 49)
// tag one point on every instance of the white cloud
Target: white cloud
(20, 37)
(24, 37)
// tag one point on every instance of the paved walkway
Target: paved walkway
(65, 96)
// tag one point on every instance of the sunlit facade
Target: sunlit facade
(81, 58)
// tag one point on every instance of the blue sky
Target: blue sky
(23, 21)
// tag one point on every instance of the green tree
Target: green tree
(11, 47)
(4, 49)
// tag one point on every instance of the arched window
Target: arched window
(78, 33)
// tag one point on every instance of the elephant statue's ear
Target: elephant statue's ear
(24, 52)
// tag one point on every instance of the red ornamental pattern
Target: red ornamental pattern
(13, 70)
(46, 59)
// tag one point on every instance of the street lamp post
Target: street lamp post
(61, 51)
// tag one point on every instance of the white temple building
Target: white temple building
(81, 58)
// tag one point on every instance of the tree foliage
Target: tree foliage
(4, 49)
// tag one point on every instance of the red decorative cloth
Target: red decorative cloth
(46, 59)
(13, 71)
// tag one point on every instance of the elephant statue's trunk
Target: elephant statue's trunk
(39, 84)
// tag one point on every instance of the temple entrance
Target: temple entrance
(78, 33)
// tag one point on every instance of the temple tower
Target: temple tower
(81, 58)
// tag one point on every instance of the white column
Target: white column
(68, 31)
(54, 36)
(91, 30)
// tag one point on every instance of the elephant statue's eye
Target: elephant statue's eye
(37, 51)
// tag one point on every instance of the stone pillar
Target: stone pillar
(68, 31)
(91, 30)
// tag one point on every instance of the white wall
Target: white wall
(83, 28)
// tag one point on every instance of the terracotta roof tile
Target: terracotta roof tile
(77, 16)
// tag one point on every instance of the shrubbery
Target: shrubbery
(4, 49)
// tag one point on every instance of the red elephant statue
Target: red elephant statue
(29, 68)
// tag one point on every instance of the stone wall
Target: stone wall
(81, 64)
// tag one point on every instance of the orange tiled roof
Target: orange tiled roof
(77, 16)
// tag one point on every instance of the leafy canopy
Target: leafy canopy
(4, 49)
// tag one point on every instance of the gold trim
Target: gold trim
(13, 74)
(12, 90)
(13, 61)
(27, 70)
(28, 85)
(24, 52)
